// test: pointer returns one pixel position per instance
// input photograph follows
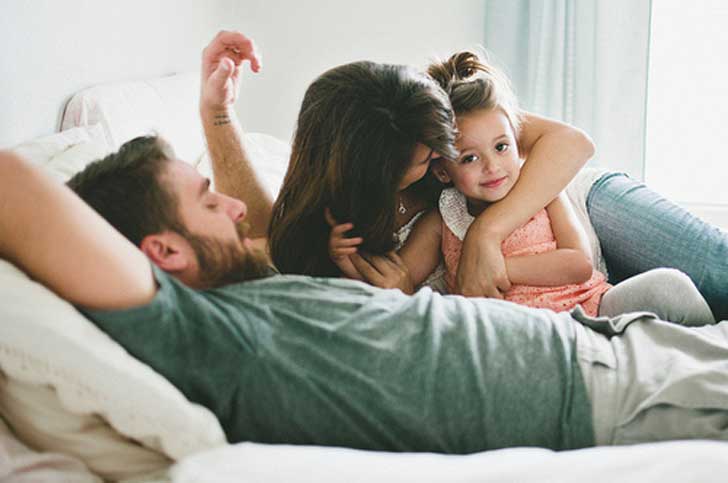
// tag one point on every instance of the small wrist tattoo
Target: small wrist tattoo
(221, 120)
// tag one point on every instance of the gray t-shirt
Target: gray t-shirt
(301, 360)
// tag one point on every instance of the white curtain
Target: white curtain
(584, 62)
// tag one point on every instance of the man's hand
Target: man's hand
(231, 166)
(221, 61)
(482, 270)
(387, 271)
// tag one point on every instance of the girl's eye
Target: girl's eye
(468, 158)
(501, 147)
(212, 207)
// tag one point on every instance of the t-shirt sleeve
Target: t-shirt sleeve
(166, 306)
(183, 334)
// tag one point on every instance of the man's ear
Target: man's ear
(165, 250)
(440, 173)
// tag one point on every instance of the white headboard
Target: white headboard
(166, 106)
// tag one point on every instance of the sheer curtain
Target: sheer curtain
(584, 62)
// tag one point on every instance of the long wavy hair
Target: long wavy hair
(355, 137)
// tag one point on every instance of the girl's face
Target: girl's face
(488, 165)
(421, 157)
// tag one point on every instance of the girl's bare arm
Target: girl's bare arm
(569, 263)
(421, 251)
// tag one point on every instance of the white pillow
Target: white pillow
(45, 341)
(64, 165)
(39, 418)
(23, 465)
(72, 389)
(578, 192)
(40, 151)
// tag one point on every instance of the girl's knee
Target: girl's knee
(679, 297)
(669, 280)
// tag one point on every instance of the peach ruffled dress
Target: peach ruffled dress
(532, 238)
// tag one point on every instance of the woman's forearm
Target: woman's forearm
(553, 159)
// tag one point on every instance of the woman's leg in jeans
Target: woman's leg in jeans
(640, 230)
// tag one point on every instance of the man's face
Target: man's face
(214, 229)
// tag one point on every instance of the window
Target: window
(686, 156)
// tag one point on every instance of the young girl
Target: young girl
(547, 259)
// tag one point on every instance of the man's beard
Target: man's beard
(222, 263)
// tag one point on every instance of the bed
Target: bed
(76, 407)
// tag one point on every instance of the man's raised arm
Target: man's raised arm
(58, 240)
(233, 172)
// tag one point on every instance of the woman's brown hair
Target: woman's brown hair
(356, 133)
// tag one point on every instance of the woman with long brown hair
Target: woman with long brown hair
(366, 135)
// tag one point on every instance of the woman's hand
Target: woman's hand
(482, 269)
(341, 247)
(388, 271)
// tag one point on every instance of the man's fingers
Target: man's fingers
(223, 71)
(233, 41)
(234, 45)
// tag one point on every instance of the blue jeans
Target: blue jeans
(640, 230)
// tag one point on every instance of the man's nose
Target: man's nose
(236, 209)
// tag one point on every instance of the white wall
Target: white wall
(50, 49)
(300, 40)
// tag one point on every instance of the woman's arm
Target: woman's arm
(569, 263)
(417, 259)
(421, 251)
(554, 153)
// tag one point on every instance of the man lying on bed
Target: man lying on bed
(295, 359)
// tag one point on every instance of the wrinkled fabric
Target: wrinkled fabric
(652, 380)
(301, 360)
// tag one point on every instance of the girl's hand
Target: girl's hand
(341, 248)
(482, 269)
(387, 271)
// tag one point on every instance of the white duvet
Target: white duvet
(675, 461)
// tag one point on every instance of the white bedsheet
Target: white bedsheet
(675, 461)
